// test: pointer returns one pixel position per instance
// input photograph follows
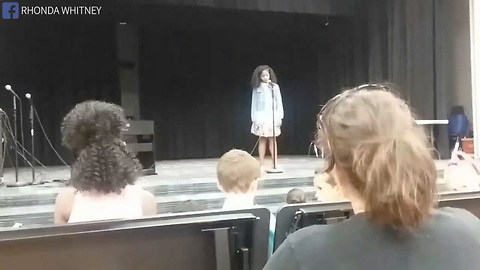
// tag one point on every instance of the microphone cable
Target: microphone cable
(46, 137)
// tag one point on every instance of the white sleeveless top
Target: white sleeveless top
(91, 206)
(238, 201)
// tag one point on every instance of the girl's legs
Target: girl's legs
(272, 144)
(262, 147)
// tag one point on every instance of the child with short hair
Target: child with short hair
(296, 195)
(237, 176)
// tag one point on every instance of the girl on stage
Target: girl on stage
(265, 92)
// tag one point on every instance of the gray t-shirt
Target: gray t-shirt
(450, 240)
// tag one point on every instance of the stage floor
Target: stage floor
(172, 172)
(176, 181)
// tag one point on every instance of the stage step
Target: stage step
(43, 214)
(162, 189)
(176, 181)
(34, 215)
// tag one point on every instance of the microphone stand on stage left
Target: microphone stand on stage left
(2, 148)
(16, 143)
(14, 137)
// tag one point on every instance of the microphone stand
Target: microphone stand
(15, 141)
(2, 148)
(32, 134)
(274, 154)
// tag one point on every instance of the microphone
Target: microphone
(29, 97)
(9, 88)
(270, 83)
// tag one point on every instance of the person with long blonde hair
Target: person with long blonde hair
(382, 163)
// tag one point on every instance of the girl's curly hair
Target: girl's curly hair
(258, 72)
(92, 129)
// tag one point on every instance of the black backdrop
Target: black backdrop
(60, 63)
(196, 63)
(195, 83)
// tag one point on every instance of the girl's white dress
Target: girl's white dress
(262, 114)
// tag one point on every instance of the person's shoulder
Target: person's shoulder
(139, 190)
(135, 187)
(64, 205)
(149, 202)
(310, 233)
(329, 232)
(147, 195)
(457, 220)
(66, 194)
(457, 214)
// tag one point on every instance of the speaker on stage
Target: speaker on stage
(140, 138)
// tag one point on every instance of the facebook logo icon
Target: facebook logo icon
(10, 10)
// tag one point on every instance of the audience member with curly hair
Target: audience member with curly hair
(102, 183)
(380, 160)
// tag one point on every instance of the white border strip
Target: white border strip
(475, 70)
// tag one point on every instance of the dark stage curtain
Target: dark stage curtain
(196, 63)
(325, 7)
(404, 38)
(60, 63)
(195, 83)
